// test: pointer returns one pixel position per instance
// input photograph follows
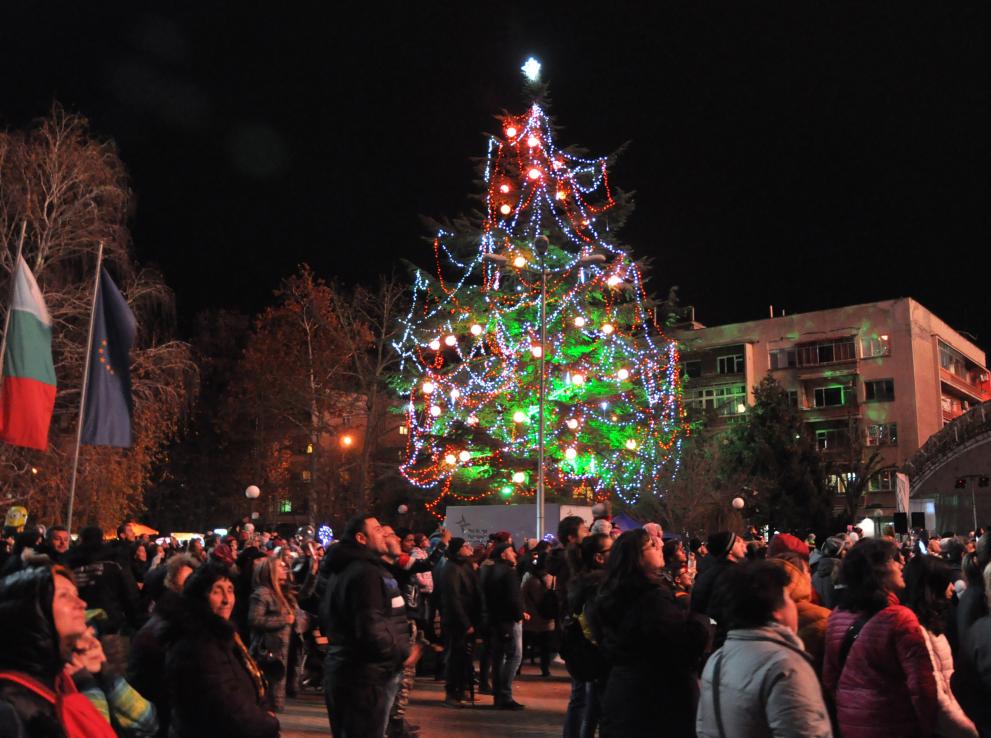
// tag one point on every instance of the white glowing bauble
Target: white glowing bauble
(607, 328)
(533, 173)
(519, 262)
(631, 444)
(450, 340)
(738, 503)
(402, 509)
(505, 209)
(519, 417)
(511, 132)
(579, 322)
(472, 420)
(455, 393)
(519, 477)
(572, 423)
(570, 453)
(531, 69)
(537, 351)
(451, 459)
(465, 455)
(428, 388)
(578, 379)
(560, 195)
(435, 410)
(623, 373)
(613, 280)
(504, 188)
(476, 330)
(435, 345)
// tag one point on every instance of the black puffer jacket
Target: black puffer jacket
(211, 692)
(28, 645)
(146, 662)
(363, 614)
(461, 597)
(503, 598)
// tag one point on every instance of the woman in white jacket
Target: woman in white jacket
(761, 682)
(928, 590)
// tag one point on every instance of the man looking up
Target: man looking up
(504, 603)
(363, 615)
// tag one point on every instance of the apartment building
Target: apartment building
(890, 370)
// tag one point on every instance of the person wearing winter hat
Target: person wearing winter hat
(782, 542)
(827, 568)
(726, 549)
(461, 609)
(504, 605)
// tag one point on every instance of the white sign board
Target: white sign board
(474, 523)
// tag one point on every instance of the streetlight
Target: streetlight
(252, 493)
(541, 246)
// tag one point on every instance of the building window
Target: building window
(830, 439)
(732, 364)
(306, 475)
(309, 448)
(693, 369)
(793, 398)
(404, 430)
(827, 352)
(882, 434)
(828, 396)
(883, 481)
(285, 507)
(783, 358)
(871, 346)
(729, 399)
(879, 390)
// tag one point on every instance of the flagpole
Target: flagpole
(82, 398)
(10, 304)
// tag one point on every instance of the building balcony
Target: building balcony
(978, 390)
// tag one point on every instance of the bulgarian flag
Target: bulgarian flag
(27, 396)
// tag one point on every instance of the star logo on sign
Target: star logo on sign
(104, 356)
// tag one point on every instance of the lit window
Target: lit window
(882, 434)
(309, 448)
(404, 430)
(883, 481)
(871, 346)
(285, 506)
(306, 475)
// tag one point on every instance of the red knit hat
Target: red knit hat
(786, 542)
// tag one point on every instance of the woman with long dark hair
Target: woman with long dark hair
(216, 688)
(928, 592)
(652, 645)
(877, 668)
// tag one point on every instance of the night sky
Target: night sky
(801, 154)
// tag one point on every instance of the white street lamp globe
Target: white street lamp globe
(738, 503)
(252, 492)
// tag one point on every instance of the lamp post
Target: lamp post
(252, 493)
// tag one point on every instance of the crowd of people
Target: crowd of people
(661, 636)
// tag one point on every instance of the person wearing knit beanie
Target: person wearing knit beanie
(721, 544)
(454, 547)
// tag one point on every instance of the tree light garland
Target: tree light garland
(630, 432)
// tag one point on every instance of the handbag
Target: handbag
(75, 713)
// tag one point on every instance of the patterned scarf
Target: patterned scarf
(251, 667)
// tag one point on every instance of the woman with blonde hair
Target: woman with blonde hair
(271, 614)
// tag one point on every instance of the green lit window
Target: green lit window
(285, 506)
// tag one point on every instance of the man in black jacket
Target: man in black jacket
(504, 604)
(363, 615)
(461, 609)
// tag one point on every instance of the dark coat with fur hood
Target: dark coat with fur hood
(210, 690)
(29, 645)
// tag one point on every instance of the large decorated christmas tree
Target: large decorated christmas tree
(472, 349)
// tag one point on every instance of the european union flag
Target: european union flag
(108, 396)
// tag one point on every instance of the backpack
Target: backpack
(581, 656)
(75, 713)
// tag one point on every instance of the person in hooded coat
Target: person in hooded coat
(41, 619)
(215, 687)
(812, 618)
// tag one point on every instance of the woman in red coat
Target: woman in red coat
(884, 686)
